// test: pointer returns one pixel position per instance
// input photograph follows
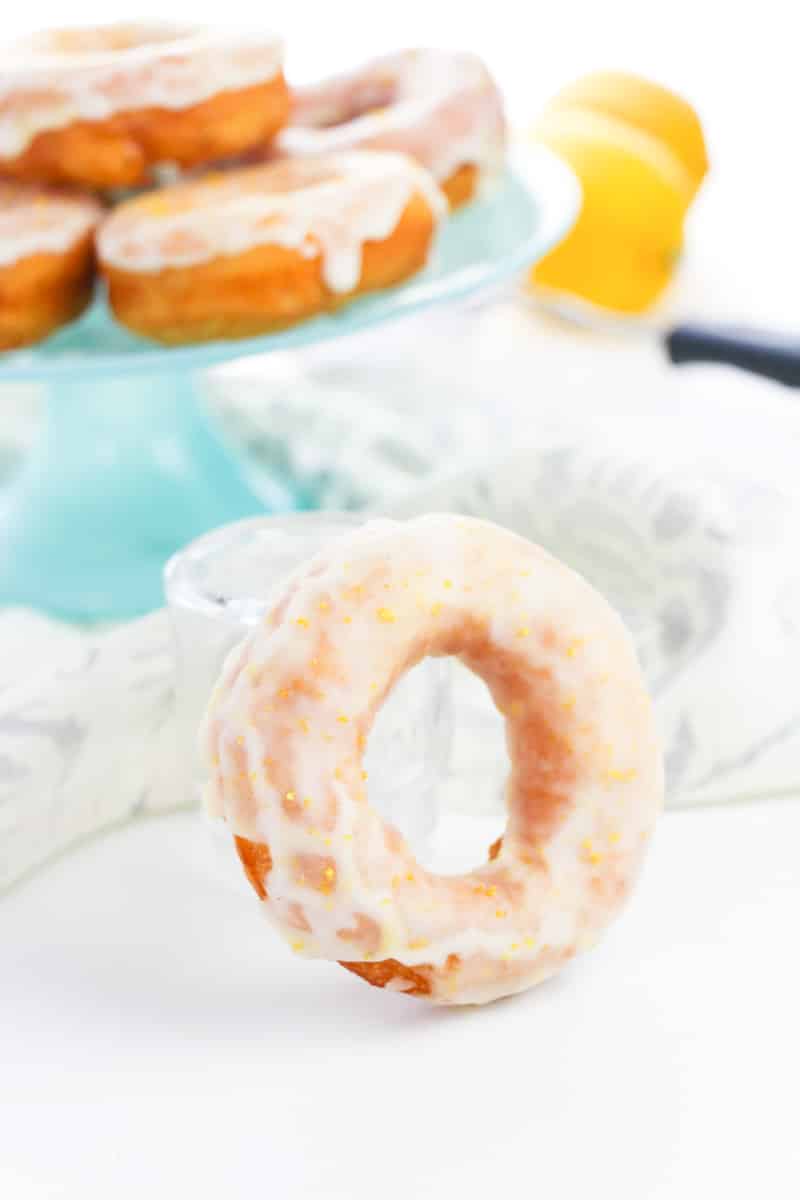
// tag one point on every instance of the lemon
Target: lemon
(647, 106)
(622, 250)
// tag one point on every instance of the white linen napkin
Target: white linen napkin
(700, 556)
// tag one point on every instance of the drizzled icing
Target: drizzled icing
(329, 206)
(287, 726)
(52, 79)
(36, 220)
(442, 108)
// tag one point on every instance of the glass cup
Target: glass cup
(219, 587)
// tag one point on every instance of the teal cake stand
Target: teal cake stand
(130, 465)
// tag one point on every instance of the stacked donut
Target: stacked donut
(288, 205)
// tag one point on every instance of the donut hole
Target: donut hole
(106, 39)
(366, 98)
(442, 789)
(471, 810)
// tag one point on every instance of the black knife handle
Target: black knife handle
(772, 355)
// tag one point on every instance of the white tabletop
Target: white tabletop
(156, 1038)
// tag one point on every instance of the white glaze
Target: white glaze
(35, 220)
(442, 108)
(43, 86)
(330, 206)
(432, 574)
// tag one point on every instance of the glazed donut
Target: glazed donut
(97, 107)
(288, 722)
(442, 108)
(257, 249)
(46, 260)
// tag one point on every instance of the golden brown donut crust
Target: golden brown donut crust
(118, 151)
(40, 293)
(261, 290)
(460, 187)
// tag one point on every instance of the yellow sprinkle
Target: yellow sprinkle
(215, 761)
(490, 891)
(254, 776)
(574, 647)
(418, 944)
(568, 703)
(614, 836)
(298, 945)
(283, 693)
(514, 946)
(329, 873)
(329, 905)
(315, 662)
(410, 877)
(386, 900)
(396, 881)
(327, 737)
(300, 879)
(303, 724)
(240, 740)
(302, 622)
(595, 858)
(436, 609)
(313, 832)
(347, 837)
(387, 616)
(362, 741)
(529, 941)
(326, 841)
(337, 774)
(448, 583)
(523, 631)
(323, 605)
(368, 954)
(290, 795)
(622, 776)
(307, 802)
(501, 912)
(364, 774)
(347, 620)
(525, 574)
(342, 719)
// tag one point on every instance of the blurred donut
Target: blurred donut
(98, 106)
(288, 723)
(442, 108)
(46, 260)
(260, 248)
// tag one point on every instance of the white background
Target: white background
(155, 1041)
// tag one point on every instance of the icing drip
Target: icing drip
(36, 221)
(53, 79)
(444, 109)
(330, 206)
